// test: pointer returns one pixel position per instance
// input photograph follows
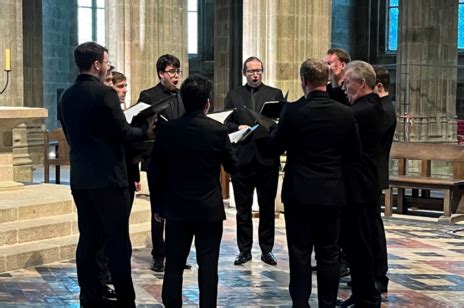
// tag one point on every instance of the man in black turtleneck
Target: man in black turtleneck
(169, 72)
(259, 165)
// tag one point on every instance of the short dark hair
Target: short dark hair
(382, 75)
(117, 77)
(87, 53)
(249, 60)
(342, 54)
(315, 71)
(195, 92)
(166, 60)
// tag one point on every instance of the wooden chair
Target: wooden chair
(56, 139)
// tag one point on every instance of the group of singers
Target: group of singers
(337, 139)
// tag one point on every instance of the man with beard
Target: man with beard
(96, 129)
(169, 73)
(362, 184)
(259, 165)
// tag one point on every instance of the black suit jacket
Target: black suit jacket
(175, 110)
(258, 145)
(96, 130)
(388, 132)
(152, 95)
(317, 133)
(361, 176)
(184, 171)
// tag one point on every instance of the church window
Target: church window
(91, 21)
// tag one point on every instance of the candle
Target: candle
(7, 60)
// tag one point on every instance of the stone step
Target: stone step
(58, 249)
(35, 201)
(23, 231)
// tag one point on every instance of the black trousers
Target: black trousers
(356, 234)
(379, 244)
(179, 236)
(244, 182)
(307, 226)
(157, 238)
(103, 218)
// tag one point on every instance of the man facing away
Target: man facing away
(318, 134)
(169, 73)
(379, 243)
(95, 129)
(362, 184)
(259, 165)
(337, 59)
(185, 190)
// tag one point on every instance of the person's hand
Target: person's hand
(151, 126)
(158, 218)
(240, 127)
(138, 186)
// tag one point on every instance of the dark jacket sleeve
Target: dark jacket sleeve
(155, 175)
(232, 125)
(229, 160)
(119, 125)
(279, 136)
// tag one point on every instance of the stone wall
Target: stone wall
(59, 40)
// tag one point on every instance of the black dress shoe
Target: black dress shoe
(345, 303)
(242, 258)
(157, 265)
(187, 266)
(268, 258)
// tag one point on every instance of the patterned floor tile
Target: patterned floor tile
(426, 270)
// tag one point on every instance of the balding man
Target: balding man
(362, 183)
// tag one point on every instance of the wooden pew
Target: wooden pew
(452, 187)
(57, 139)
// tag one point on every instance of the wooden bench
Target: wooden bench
(56, 139)
(452, 187)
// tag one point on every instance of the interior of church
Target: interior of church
(421, 43)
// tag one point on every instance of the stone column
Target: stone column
(139, 31)
(283, 34)
(426, 70)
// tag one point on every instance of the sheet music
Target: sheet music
(220, 116)
(241, 134)
(135, 110)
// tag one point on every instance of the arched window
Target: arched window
(91, 21)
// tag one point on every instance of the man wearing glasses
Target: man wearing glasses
(169, 73)
(259, 166)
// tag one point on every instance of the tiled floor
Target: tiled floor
(426, 270)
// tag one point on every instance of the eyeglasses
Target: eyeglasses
(107, 63)
(173, 72)
(252, 72)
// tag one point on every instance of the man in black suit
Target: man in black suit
(362, 184)
(96, 128)
(259, 165)
(317, 133)
(169, 73)
(379, 243)
(185, 190)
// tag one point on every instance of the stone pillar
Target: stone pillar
(426, 70)
(283, 34)
(139, 31)
(227, 48)
(11, 36)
